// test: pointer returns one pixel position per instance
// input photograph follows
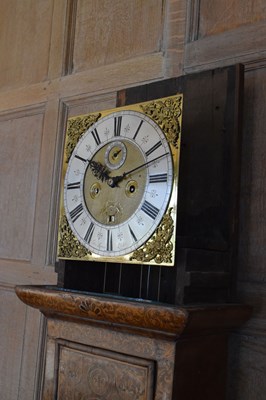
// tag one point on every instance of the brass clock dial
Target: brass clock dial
(119, 182)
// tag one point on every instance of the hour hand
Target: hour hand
(99, 171)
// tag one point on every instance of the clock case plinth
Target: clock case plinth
(208, 191)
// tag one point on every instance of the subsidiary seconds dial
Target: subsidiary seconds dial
(118, 183)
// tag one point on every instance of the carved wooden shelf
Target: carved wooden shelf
(101, 347)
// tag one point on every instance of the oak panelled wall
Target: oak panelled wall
(66, 57)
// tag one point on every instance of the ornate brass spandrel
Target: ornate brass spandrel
(167, 114)
(75, 129)
(68, 244)
(159, 247)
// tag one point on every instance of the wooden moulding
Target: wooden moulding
(147, 317)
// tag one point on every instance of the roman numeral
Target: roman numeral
(158, 178)
(96, 137)
(80, 158)
(109, 241)
(89, 233)
(76, 213)
(153, 148)
(74, 185)
(137, 131)
(150, 210)
(117, 127)
(132, 233)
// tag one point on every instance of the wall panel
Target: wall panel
(13, 316)
(20, 137)
(25, 41)
(122, 28)
(11, 339)
(226, 15)
(80, 105)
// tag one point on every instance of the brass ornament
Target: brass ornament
(166, 113)
(76, 128)
(159, 247)
(68, 245)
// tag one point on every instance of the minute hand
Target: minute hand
(113, 181)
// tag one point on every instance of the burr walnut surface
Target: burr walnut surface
(109, 348)
(109, 310)
(137, 314)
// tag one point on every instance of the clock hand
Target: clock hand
(99, 171)
(113, 181)
(116, 154)
(144, 165)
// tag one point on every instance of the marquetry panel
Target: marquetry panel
(226, 15)
(25, 41)
(110, 31)
(88, 372)
(149, 362)
(20, 136)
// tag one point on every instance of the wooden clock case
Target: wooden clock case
(126, 332)
(208, 192)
